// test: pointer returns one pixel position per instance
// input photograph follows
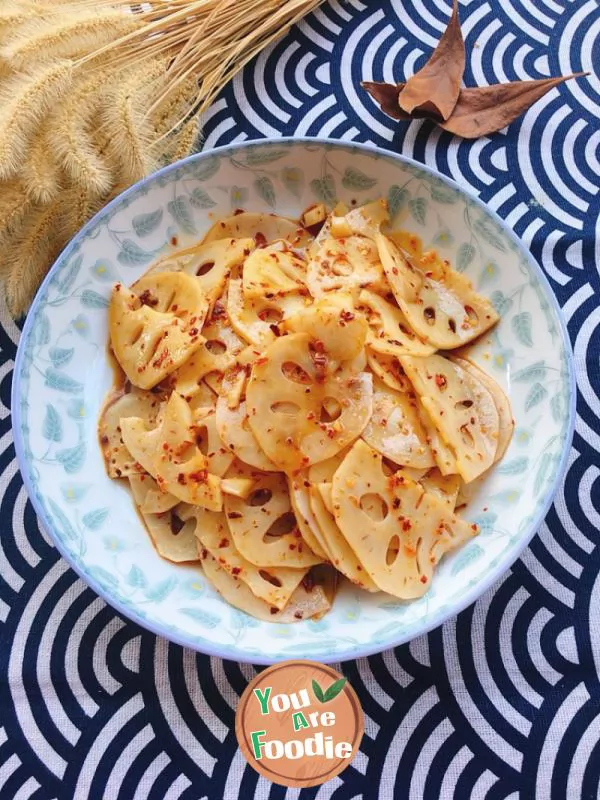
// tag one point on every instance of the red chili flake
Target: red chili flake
(174, 241)
(396, 502)
(218, 310)
(236, 570)
(194, 332)
(485, 508)
(104, 439)
(297, 614)
(158, 362)
(441, 382)
(181, 478)
(331, 433)
(273, 610)
(406, 525)
(203, 553)
(260, 239)
(234, 515)
(423, 579)
(147, 298)
(475, 527)
(200, 476)
(346, 316)
(261, 361)
(236, 213)
(359, 568)
(224, 543)
(174, 307)
(275, 330)
(165, 446)
(292, 547)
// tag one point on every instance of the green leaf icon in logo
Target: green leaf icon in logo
(329, 694)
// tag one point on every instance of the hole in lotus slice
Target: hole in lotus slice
(374, 506)
(452, 324)
(295, 373)
(429, 314)
(330, 410)
(215, 347)
(470, 433)
(251, 520)
(260, 497)
(393, 549)
(205, 268)
(467, 436)
(293, 442)
(419, 519)
(271, 315)
(285, 409)
(272, 579)
(282, 526)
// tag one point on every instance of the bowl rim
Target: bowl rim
(230, 652)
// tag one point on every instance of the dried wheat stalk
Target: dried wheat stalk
(95, 94)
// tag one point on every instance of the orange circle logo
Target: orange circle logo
(299, 723)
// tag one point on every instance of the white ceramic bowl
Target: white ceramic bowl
(62, 374)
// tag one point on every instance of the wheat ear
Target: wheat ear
(14, 204)
(71, 137)
(28, 255)
(41, 172)
(65, 35)
(124, 120)
(25, 101)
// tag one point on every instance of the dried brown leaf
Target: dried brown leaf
(435, 89)
(386, 95)
(488, 109)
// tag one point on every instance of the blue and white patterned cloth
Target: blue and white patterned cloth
(503, 702)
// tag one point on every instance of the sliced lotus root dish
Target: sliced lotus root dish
(263, 526)
(274, 585)
(395, 429)
(309, 601)
(398, 530)
(173, 537)
(284, 417)
(144, 405)
(286, 398)
(444, 310)
(150, 343)
(461, 409)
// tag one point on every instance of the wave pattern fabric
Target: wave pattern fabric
(502, 703)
